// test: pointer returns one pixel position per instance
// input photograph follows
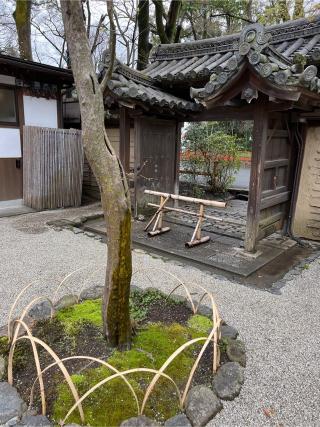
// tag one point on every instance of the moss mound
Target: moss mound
(154, 343)
(74, 317)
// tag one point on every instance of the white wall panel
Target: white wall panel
(10, 146)
(40, 112)
(7, 80)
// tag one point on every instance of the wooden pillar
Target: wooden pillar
(259, 136)
(177, 162)
(125, 139)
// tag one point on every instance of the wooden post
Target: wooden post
(125, 139)
(177, 162)
(259, 136)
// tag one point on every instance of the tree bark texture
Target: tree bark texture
(283, 10)
(22, 17)
(173, 15)
(108, 171)
(144, 32)
(298, 9)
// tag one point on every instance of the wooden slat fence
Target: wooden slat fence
(52, 167)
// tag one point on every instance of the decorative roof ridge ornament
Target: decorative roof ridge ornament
(253, 37)
(249, 93)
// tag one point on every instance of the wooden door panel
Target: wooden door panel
(10, 179)
(155, 157)
(276, 183)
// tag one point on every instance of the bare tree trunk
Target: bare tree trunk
(22, 17)
(144, 31)
(298, 9)
(167, 32)
(283, 10)
(110, 176)
(248, 10)
(173, 15)
(159, 13)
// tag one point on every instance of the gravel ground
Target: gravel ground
(281, 332)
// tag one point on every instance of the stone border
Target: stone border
(202, 403)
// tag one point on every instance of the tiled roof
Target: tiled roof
(130, 84)
(282, 55)
(196, 60)
(284, 67)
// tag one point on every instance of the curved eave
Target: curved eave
(248, 76)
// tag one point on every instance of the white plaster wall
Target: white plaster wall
(7, 80)
(10, 146)
(40, 112)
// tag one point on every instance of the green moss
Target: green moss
(113, 402)
(72, 318)
(90, 311)
(199, 323)
(4, 346)
(223, 343)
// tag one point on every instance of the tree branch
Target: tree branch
(112, 47)
(96, 36)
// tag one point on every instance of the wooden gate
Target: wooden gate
(53, 167)
(157, 145)
(272, 168)
(278, 168)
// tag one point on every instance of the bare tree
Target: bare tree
(144, 34)
(22, 17)
(109, 173)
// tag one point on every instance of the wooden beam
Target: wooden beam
(259, 135)
(270, 201)
(125, 139)
(245, 112)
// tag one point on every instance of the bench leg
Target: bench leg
(196, 238)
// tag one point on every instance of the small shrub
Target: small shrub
(140, 303)
(213, 153)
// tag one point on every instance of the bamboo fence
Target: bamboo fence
(53, 167)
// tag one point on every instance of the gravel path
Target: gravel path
(281, 332)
